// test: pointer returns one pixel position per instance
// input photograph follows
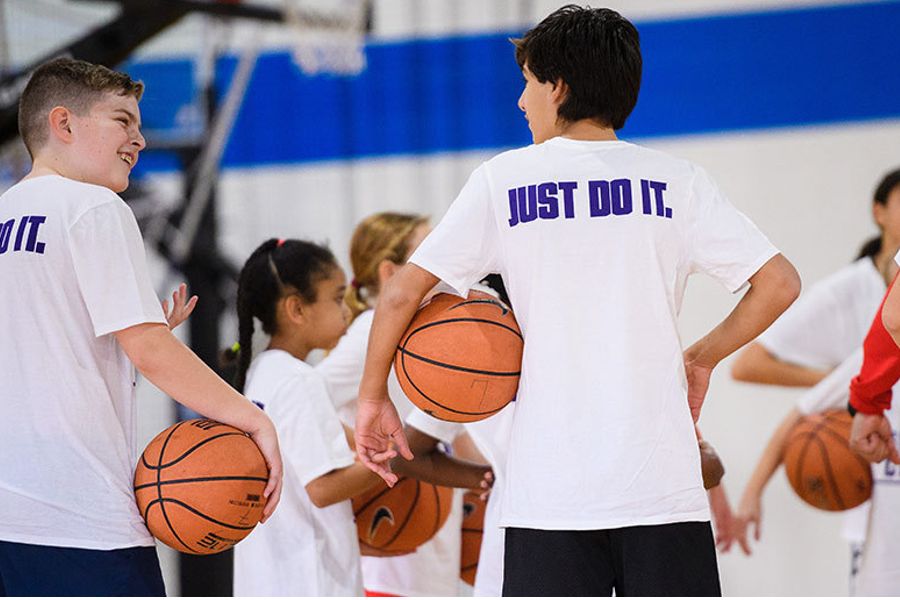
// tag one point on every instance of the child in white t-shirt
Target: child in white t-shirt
(310, 548)
(380, 245)
(78, 314)
(595, 239)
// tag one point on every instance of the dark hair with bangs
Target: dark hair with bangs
(596, 52)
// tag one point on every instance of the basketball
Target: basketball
(398, 520)
(199, 486)
(459, 360)
(820, 465)
(472, 530)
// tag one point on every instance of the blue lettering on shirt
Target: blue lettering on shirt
(605, 198)
(26, 230)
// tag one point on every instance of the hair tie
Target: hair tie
(355, 284)
(236, 347)
(280, 243)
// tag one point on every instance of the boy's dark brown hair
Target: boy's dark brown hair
(596, 52)
(75, 84)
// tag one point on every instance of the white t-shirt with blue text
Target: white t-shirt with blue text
(595, 241)
(73, 272)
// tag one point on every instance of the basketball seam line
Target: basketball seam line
(829, 472)
(377, 496)
(420, 328)
(408, 516)
(863, 462)
(504, 310)
(200, 479)
(438, 404)
(190, 450)
(162, 501)
(162, 505)
(403, 350)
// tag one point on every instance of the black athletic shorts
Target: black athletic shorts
(677, 559)
(30, 570)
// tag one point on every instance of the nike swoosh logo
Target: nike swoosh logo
(383, 513)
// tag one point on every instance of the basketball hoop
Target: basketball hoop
(330, 36)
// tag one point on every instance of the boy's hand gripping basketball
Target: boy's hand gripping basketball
(181, 307)
(378, 430)
(267, 440)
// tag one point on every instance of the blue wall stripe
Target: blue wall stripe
(732, 72)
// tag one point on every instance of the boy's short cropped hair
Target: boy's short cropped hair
(75, 84)
(596, 52)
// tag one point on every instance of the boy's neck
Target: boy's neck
(43, 165)
(587, 130)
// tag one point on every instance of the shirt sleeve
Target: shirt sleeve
(870, 390)
(811, 332)
(464, 247)
(111, 269)
(721, 241)
(312, 438)
(832, 392)
(444, 431)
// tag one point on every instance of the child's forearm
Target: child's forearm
(438, 468)
(341, 484)
(772, 290)
(755, 364)
(174, 368)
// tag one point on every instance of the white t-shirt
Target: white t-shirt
(301, 550)
(74, 271)
(829, 321)
(491, 437)
(433, 569)
(595, 262)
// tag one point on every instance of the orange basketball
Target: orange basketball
(472, 531)
(820, 465)
(459, 360)
(398, 520)
(199, 486)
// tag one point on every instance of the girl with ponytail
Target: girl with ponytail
(296, 290)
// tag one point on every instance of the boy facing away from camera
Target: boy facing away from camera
(595, 238)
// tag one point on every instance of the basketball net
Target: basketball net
(330, 35)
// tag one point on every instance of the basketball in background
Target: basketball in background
(460, 359)
(820, 465)
(199, 486)
(397, 520)
(472, 532)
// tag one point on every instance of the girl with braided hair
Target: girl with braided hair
(296, 290)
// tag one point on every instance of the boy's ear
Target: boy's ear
(560, 91)
(60, 122)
